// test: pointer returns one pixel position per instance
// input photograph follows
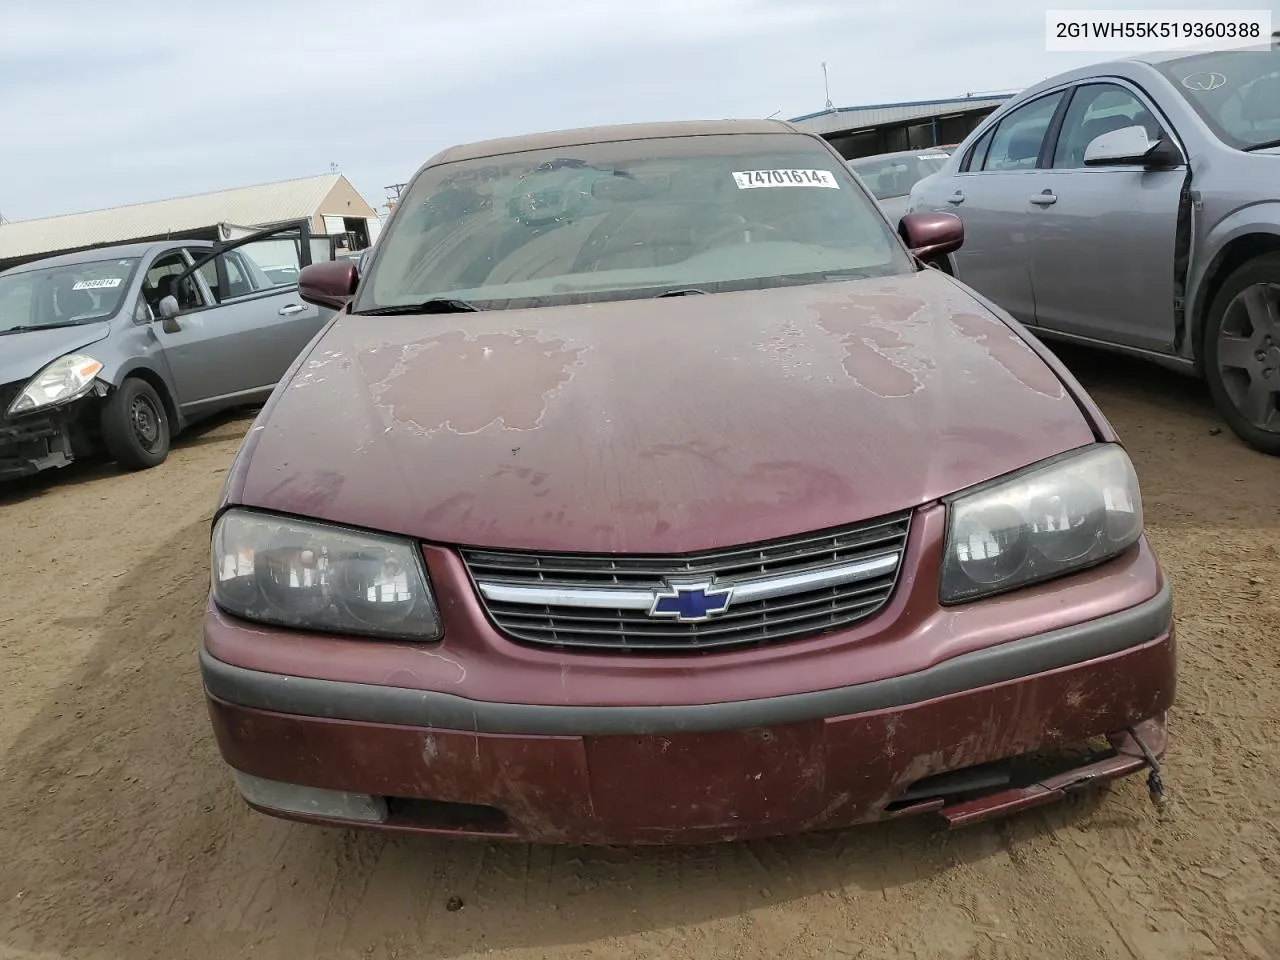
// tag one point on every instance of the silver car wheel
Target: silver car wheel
(1249, 354)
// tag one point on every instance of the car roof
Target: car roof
(948, 148)
(609, 134)
(1132, 68)
(113, 252)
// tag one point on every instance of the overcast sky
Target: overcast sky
(104, 104)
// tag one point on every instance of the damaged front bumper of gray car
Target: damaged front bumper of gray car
(47, 438)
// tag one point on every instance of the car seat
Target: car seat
(184, 292)
(1025, 144)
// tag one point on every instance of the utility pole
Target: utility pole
(826, 86)
(393, 195)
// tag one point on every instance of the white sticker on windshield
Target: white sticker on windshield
(107, 283)
(751, 179)
(931, 156)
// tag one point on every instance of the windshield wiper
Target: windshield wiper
(435, 305)
(1265, 145)
(28, 327)
(684, 292)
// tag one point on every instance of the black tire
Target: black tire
(1242, 352)
(135, 426)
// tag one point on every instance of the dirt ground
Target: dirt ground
(122, 837)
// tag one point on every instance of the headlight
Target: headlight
(1067, 515)
(311, 576)
(63, 380)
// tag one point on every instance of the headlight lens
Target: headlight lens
(311, 576)
(63, 380)
(1062, 517)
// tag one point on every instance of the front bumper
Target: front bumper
(360, 754)
(33, 443)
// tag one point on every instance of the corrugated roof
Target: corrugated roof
(857, 118)
(266, 203)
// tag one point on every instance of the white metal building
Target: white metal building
(328, 203)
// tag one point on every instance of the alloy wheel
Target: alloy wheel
(1249, 354)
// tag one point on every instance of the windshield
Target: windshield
(894, 176)
(619, 220)
(62, 296)
(1236, 92)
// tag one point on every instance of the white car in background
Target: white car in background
(890, 176)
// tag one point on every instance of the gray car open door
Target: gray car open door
(252, 325)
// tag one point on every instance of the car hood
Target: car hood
(657, 426)
(23, 355)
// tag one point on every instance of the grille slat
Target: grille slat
(789, 557)
(809, 611)
(637, 620)
(626, 626)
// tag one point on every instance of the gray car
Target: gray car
(1136, 205)
(121, 347)
(890, 176)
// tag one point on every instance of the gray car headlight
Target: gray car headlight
(62, 381)
(313, 576)
(1068, 514)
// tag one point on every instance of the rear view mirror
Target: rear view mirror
(330, 284)
(1128, 146)
(931, 235)
(168, 307)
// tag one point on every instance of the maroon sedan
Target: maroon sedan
(649, 488)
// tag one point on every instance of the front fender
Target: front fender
(1092, 413)
(152, 369)
(1256, 219)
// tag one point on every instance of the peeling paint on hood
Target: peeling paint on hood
(662, 425)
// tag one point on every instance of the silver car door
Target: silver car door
(1103, 264)
(234, 333)
(990, 192)
(259, 279)
(198, 354)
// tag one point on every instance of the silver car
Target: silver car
(121, 347)
(1136, 205)
(890, 176)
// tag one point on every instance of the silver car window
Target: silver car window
(977, 154)
(159, 283)
(1098, 108)
(1019, 136)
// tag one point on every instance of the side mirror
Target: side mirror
(931, 235)
(169, 309)
(1129, 146)
(330, 284)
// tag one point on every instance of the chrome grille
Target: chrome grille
(784, 589)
